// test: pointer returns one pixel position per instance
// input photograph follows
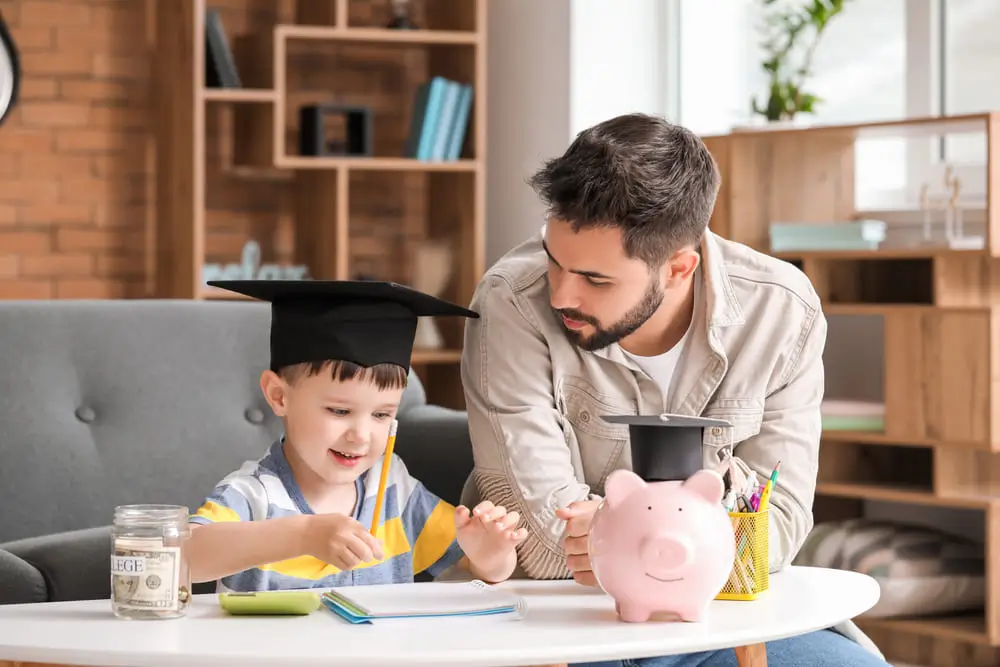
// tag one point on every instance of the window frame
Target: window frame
(926, 93)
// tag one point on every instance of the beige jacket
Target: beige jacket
(535, 400)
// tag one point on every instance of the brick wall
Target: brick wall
(77, 214)
(74, 154)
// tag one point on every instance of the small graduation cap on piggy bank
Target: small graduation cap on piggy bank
(661, 541)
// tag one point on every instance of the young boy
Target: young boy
(299, 517)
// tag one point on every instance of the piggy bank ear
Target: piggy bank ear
(620, 484)
(708, 484)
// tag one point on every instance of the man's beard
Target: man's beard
(626, 326)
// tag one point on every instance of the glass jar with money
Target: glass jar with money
(150, 576)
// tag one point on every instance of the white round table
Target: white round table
(564, 623)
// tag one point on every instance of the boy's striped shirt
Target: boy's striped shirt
(417, 529)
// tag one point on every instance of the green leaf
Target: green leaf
(807, 102)
(790, 34)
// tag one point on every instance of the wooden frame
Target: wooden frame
(941, 338)
(323, 189)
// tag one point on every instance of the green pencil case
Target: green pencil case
(270, 603)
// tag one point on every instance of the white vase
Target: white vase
(431, 272)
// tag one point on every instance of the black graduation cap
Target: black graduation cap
(666, 447)
(361, 321)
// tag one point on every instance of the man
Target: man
(625, 303)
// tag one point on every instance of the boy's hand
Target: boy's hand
(341, 541)
(488, 536)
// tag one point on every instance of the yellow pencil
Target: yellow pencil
(386, 459)
(765, 497)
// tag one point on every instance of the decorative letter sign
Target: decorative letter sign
(250, 268)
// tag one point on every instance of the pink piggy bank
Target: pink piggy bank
(662, 546)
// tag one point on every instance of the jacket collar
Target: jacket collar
(723, 308)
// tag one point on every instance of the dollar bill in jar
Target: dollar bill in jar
(149, 573)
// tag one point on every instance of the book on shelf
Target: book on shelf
(845, 415)
(848, 235)
(439, 120)
(365, 604)
(220, 67)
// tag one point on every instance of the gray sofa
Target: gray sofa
(144, 401)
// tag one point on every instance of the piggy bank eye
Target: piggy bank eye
(650, 507)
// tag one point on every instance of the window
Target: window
(880, 59)
(859, 67)
(970, 59)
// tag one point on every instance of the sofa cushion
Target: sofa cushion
(114, 402)
(920, 570)
(19, 581)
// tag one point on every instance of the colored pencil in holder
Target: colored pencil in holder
(750, 574)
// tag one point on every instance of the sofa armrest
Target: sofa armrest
(75, 565)
(20, 581)
(434, 444)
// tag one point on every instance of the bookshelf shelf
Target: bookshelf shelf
(216, 294)
(436, 356)
(935, 314)
(378, 35)
(964, 628)
(881, 438)
(884, 253)
(239, 95)
(928, 126)
(377, 164)
(911, 496)
(230, 169)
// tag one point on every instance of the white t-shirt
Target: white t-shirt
(662, 366)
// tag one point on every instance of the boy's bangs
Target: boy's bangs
(383, 376)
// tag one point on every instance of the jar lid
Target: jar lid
(151, 513)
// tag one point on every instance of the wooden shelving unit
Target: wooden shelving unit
(940, 314)
(228, 169)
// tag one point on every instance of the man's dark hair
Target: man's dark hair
(654, 180)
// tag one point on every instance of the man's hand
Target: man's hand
(578, 516)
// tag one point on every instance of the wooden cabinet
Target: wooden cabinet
(938, 306)
(229, 168)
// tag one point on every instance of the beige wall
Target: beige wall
(556, 67)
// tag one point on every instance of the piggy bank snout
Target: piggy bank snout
(666, 553)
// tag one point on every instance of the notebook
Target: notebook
(364, 604)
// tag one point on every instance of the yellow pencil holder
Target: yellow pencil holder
(749, 577)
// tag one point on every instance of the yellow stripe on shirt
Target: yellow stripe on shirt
(394, 543)
(217, 513)
(436, 536)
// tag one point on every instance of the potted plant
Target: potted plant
(792, 31)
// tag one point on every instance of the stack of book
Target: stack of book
(854, 235)
(439, 121)
(841, 415)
